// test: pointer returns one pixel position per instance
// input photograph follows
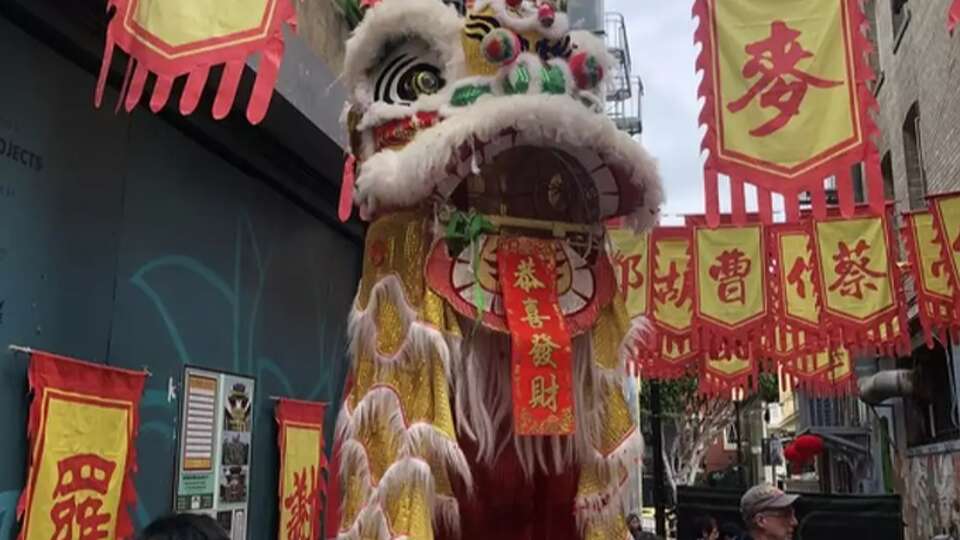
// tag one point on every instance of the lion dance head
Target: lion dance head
(488, 337)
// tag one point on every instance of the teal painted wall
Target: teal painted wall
(123, 241)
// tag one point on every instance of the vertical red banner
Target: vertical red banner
(82, 429)
(542, 354)
(302, 464)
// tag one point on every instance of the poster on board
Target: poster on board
(216, 436)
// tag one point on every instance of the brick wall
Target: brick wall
(920, 63)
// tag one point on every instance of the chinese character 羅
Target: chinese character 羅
(781, 85)
(542, 394)
(301, 504)
(542, 351)
(81, 474)
(731, 269)
(853, 271)
(533, 318)
(669, 287)
(796, 276)
(526, 277)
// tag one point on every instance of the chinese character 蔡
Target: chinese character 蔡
(731, 269)
(301, 504)
(669, 287)
(542, 350)
(82, 474)
(526, 278)
(796, 276)
(631, 273)
(533, 318)
(853, 270)
(782, 85)
(543, 395)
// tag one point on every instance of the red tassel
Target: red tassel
(192, 91)
(227, 93)
(765, 205)
(845, 193)
(161, 93)
(792, 206)
(711, 196)
(136, 87)
(875, 183)
(128, 74)
(104, 71)
(267, 73)
(738, 204)
(346, 188)
(818, 199)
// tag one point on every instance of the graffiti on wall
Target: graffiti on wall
(932, 501)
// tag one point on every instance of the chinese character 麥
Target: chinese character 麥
(82, 474)
(533, 317)
(781, 85)
(731, 269)
(301, 503)
(542, 350)
(542, 394)
(670, 287)
(526, 278)
(796, 278)
(853, 271)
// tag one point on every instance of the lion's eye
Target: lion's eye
(408, 74)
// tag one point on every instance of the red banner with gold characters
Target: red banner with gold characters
(731, 300)
(672, 287)
(189, 37)
(933, 280)
(786, 102)
(542, 353)
(861, 283)
(794, 291)
(82, 430)
(302, 465)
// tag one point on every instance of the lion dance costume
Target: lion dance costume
(488, 337)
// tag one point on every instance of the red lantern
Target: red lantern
(809, 446)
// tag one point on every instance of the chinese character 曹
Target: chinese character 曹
(782, 85)
(853, 271)
(731, 269)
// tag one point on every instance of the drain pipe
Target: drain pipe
(886, 384)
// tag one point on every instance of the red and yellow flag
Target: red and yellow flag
(824, 373)
(786, 102)
(302, 464)
(672, 286)
(931, 275)
(731, 300)
(542, 353)
(187, 37)
(861, 287)
(631, 264)
(794, 291)
(946, 211)
(82, 429)
(721, 377)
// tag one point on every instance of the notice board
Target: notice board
(216, 432)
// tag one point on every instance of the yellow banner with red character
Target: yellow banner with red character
(946, 210)
(862, 300)
(828, 372)
(731, 294)
(933, 279)
(786, 102)
(82, 430)
(302, 465)
(542, 353)
(674, 346)
(631, 264)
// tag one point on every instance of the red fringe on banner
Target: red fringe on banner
(150, 53)
(808, 176)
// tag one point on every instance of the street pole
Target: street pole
(659, 479)
(740, 472)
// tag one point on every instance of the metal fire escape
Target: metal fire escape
(624, 90)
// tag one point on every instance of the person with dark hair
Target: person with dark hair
(184, 527)
(705, 528)
(635, 525)
(730, 531)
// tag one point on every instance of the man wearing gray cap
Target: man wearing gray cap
(768, 513)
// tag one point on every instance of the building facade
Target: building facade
(918, 68)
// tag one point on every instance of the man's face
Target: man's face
(777, 524)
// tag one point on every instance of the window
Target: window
(886, 169)
(859, 191)
(913, 158)
(931, 414)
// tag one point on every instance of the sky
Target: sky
(664, 55)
